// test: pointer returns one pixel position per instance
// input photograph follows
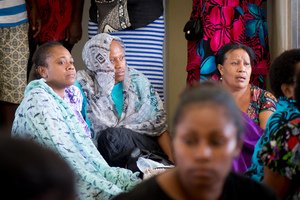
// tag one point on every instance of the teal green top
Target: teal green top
(117, 96)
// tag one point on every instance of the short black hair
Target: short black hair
(220, 56)
(41, 55)
(283, 69)
(29, 171)
(215, 93)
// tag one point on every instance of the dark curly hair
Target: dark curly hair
(282, 70)
(41, 55)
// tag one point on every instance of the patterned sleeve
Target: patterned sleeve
(151, 110)
(268, 101)
(282, 152)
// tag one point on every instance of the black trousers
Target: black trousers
(117, 144)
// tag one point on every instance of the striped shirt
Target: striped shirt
(144, 50)
(12, 12)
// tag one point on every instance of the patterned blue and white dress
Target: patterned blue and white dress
(46, 118)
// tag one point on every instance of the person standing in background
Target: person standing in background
(239, 21)
(14, 54)
(234, 62)
(61, 21)
(143, 39)
(50, 115)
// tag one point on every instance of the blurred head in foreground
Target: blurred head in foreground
(29, 171)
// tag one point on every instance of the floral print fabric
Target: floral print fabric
(261, 100)
(285, 112)
(47, 119)
(251, 135)
(224, 21)
(56, 16)
(74, 99)
(281, 155)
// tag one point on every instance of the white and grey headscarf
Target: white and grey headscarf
(142, 109)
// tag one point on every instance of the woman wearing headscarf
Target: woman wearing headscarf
(239, 21)
(122, 106)
(50, 115)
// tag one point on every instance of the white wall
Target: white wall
(77, 49)
(177, 14)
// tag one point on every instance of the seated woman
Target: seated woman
(208, 130)
(234, 62)
(282, 78)
(123, 108)
(50, 115)
(280, 156)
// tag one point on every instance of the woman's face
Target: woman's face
(117, 58)
(205, 143)
(60, 72)
(236, 69)
(291, 86)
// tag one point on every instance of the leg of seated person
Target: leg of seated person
(116, 145)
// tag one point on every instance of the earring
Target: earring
(221, 78)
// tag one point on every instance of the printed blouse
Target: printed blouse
(261, 100)
(281, 155)
(286, 111)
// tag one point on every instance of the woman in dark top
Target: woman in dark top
(208, 130)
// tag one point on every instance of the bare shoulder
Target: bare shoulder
(169, 183)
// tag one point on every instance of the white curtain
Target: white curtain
(279, 26)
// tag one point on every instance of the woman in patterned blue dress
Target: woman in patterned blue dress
(50, 115)
(282, 76)
(280, 156)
